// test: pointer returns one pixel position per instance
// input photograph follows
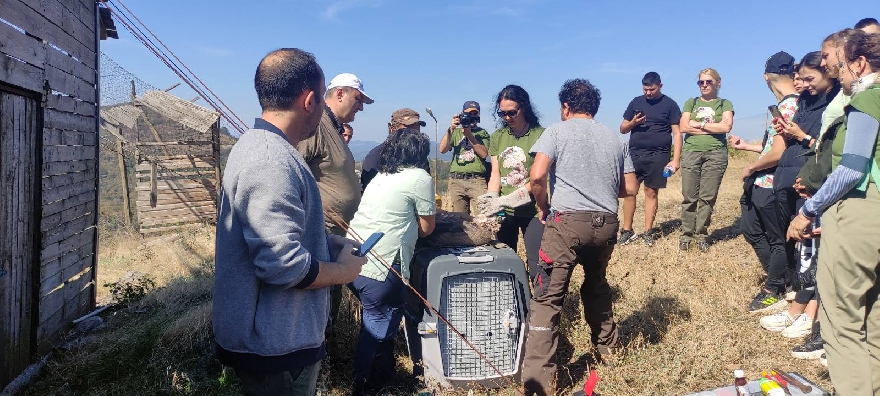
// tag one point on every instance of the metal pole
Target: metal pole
(436, 145)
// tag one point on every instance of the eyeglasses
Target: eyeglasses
(509, 113)
(705, 82)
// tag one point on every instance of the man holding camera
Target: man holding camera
(653, 120)
(467, 173)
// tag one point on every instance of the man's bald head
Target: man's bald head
(283, 75)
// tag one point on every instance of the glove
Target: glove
(494, 205)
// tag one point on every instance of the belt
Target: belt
(457, 175)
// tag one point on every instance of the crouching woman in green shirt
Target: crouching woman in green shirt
(399, 202)
(705, 120)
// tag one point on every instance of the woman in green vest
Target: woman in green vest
(705, 121)
(849, 202)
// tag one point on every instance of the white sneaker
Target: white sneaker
(800, 327)
(777, 322)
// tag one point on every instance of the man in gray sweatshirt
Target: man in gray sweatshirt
(274, 260)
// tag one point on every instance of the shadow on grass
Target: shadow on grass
(670, 226)
(652, 321)
(725, 233)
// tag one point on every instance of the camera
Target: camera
(468, 121)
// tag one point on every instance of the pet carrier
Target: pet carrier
(484, 293)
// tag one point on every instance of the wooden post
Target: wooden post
(154, 191)
(215, 152)
(124, 177)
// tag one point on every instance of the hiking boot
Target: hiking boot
(802, 326)
(703, 245)
(766, 301)
(777, 322)
(684, 246)
(626, 236)
(812, 348)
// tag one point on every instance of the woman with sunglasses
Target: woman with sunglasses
(705, 120)
(849, 202)
(509, 185)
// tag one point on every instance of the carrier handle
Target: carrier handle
(476, 259)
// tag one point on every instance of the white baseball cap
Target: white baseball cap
(351, 81)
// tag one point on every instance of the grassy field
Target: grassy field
(682, 317)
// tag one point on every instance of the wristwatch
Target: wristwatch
(806, 140)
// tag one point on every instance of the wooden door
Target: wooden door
(19, 178)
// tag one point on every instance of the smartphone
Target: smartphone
(774, 111)
(637, 113)
(368, 244)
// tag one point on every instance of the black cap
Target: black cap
(470, 105)
(780, 63)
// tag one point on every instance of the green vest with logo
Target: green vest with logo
(868, 102)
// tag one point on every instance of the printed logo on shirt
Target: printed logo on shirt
(706, 114)
(514, 158)
(466, 155)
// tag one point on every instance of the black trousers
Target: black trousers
(762, 227)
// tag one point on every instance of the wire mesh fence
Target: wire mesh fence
(170, 151)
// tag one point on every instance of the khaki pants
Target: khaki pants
(848, 283)
(701, 173)
(463, 194)
(585, 238)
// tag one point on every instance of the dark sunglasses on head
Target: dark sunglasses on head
(509, 113)
(705, 82)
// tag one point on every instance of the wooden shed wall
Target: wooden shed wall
(56, 59)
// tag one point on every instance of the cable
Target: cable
(336, 218)
(140, 36)
(178, 59)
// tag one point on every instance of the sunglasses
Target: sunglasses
(705, 82)
(509, 113)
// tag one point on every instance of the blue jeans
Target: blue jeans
(381, 312)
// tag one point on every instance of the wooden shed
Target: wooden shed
(48, 172)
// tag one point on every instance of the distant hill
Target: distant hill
(360, 148)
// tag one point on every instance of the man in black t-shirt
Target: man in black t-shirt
(653, 120)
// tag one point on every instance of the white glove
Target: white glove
(491, 205)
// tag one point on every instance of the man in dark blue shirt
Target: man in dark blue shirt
(652, 119)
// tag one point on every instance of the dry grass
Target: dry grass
(682, 317)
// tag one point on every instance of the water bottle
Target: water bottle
(668, 171)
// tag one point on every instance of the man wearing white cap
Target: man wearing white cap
(329, 157)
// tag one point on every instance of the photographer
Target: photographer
(467, 173)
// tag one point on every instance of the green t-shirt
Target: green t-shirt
(464, 159)
(515, 163)
(710, 111)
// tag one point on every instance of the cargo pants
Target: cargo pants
(701, 174)
(463, 193)
(848, 282)
(585, 238)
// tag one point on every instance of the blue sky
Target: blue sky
(439, 54)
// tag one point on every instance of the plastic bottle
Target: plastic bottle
(668, 171)
(770, 388)
(740, 383)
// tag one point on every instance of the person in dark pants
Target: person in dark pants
(652, 122)
(508, 188)
(274, 260)
(800, 136)
(761, 226)
(398, 202)
(587, 167)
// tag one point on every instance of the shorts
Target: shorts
(649, 168)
